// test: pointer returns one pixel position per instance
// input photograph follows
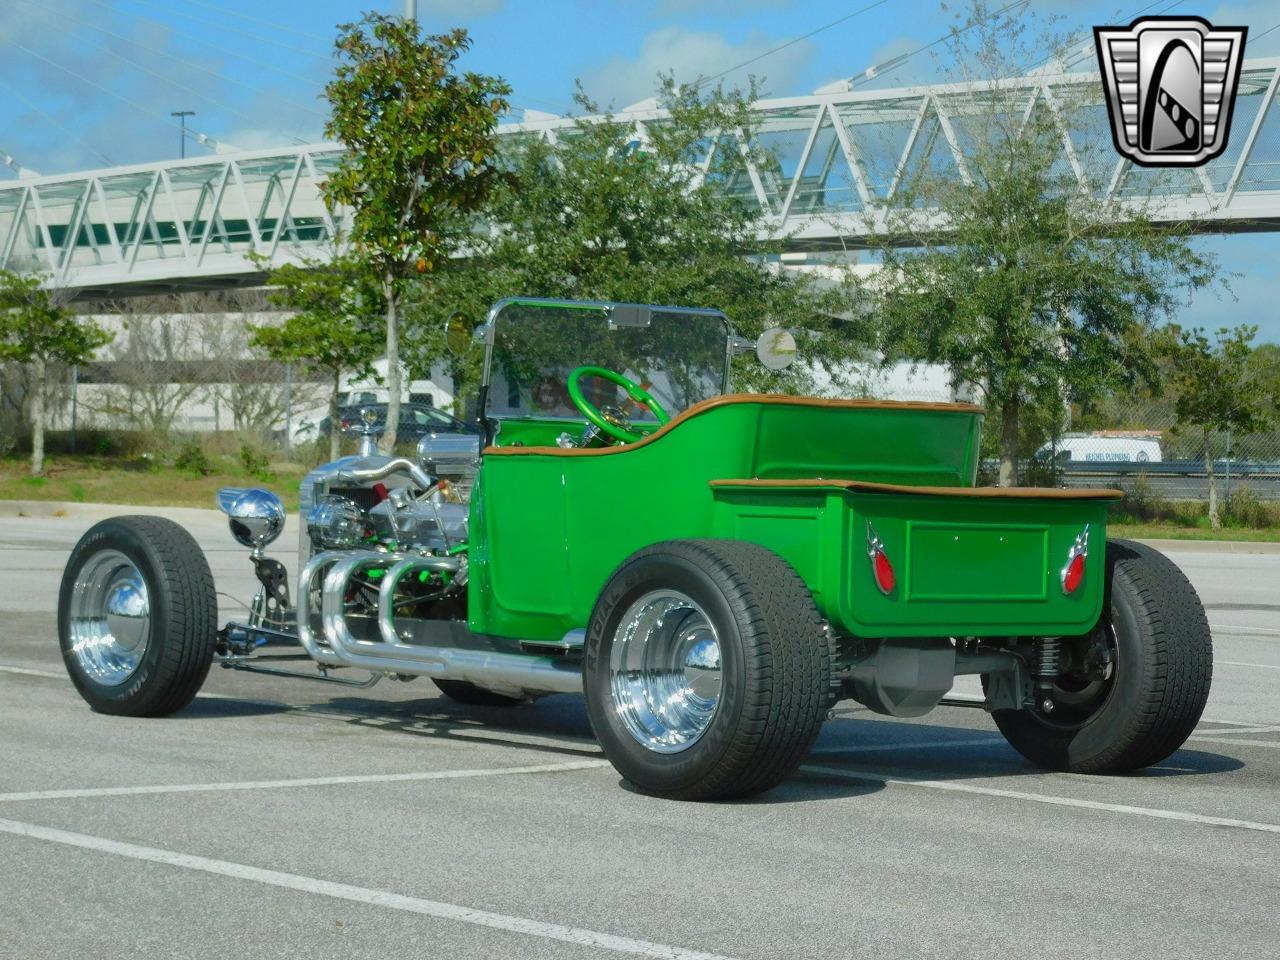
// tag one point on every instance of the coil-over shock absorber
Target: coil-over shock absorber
(1048, 665)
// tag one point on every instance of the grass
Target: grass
(141, 482)
(1169, 531)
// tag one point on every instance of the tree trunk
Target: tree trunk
(1214, 520)
(1009, 443)
(388, 441)
(37, 418)
(335, 438)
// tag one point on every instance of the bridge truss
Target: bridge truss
(835, 160)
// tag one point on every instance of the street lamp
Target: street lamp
(182, 121)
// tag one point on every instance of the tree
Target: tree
(1218, 389)
(607, 212)
(329, 330)
(36, 330)
(420, 158)
(1031, 289)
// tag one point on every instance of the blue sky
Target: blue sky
(90, 83)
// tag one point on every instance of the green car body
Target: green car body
(803, 478)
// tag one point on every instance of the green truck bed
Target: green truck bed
(803, 477)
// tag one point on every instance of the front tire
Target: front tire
(1163, 666)
(137, 617)
(708, 672)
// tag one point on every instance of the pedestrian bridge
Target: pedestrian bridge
(836, 158)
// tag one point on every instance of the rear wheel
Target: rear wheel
(1132, 691)
(708, 673)
(137, 617)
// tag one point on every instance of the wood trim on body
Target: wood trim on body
(767, 399)
(992, 493)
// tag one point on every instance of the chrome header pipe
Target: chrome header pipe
(503, 672)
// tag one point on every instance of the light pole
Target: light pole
(411, 9)
(182, 137)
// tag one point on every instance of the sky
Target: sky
(91, 83)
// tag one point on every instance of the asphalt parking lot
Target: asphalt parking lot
(292, 819)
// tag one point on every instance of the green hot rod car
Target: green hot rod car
(714, 571)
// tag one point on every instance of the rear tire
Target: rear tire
(137, 617)
(708, 672)
(1163, 670)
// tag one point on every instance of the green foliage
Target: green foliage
(599, 216)
(35, 327)
(420, 138)
(256, 462)
(1216, 385)
(1218, 389)
(192, 458)
(333, 316)
(1034, 292)
(420, 163)
(36, 330)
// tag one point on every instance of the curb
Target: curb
(69, 510)
(1212, 546)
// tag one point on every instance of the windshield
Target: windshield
(678, 354)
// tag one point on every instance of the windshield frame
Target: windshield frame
(490, 337)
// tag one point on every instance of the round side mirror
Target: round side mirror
(457, 334)
(776, 348)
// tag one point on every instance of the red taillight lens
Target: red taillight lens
(883, 570)
(1074, 574)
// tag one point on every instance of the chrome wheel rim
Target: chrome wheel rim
(110, 618)
(665, 671)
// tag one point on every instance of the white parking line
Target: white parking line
(1241, 628)
(299, 782)
(29, 672)
(1238, 663)
(1269, 728)
(376, 898)
(959, 787)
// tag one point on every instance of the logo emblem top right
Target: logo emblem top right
(1171, 85)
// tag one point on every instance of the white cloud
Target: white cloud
(691, 54)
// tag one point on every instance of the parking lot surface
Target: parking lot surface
(285, 818)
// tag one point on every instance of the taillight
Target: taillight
(881, 567)
(1073, 572)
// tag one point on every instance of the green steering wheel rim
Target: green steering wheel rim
(634, 391)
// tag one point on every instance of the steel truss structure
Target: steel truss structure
(833, 162)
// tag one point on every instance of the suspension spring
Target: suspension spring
(1048, 657)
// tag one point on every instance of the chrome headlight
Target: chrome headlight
(256, 516)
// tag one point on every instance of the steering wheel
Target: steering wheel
(615, 424)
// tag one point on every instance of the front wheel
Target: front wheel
(1136, 686)
(708, 673)
(137, 617)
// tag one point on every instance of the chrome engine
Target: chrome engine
(384, 572)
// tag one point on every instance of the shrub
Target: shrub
(192, 458)
(255, 461)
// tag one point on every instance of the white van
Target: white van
(1087, 448)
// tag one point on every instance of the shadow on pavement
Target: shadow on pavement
(558, 725)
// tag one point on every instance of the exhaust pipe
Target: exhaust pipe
(502, 672)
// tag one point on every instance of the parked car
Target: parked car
(714, 576)
(416, 420)
(1087, 448)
